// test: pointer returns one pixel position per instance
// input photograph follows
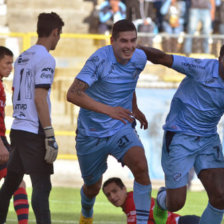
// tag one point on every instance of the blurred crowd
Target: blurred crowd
(185, 26)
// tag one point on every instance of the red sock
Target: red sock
(21, 205)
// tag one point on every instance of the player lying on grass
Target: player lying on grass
(117, 194)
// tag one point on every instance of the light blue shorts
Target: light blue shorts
(92, 152)
(181, 152)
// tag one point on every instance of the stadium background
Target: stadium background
(155, 87)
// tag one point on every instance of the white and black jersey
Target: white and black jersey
(34, 68)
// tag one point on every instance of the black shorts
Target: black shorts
(27, 155)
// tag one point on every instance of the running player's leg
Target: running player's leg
(92, 155)
(88, 196)
(128, 149)
(21, 204)
(176, 198)
(135, 159)
(213, 181)
(209, 167)
(168, 199)
(177, 160)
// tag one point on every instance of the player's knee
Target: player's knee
(140, 169)
(217, 200)
(140, 173)
(175, 198)
(175, 205)
(92, 191)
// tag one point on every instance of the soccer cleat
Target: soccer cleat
(84, 220)
(160, 215)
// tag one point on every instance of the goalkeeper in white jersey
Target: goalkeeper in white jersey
(34, 148)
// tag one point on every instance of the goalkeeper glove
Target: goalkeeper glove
(50, 145)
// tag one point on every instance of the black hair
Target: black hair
(122, 26)
(115, 180)
(5, 51)
(47, 22)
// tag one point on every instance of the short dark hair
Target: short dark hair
(115, 180)
(221, 53)
(122, 26)
(5, 51)
(48, 22)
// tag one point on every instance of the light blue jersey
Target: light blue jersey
(110, 83)
(198, 104)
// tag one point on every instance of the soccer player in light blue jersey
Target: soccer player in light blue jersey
(190, 137)
(105, 91)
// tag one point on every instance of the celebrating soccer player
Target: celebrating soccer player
(105, 91)
(190, 137)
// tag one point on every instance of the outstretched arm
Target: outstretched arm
(157, 57)
(76, 95)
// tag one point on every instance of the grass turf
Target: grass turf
(65, 207)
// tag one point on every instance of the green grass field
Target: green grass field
(65, 207)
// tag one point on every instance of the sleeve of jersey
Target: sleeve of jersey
(91, 70)
(192, 67)
(44, 75)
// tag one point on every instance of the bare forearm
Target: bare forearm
(86, 102)
(157, 57)
(76, 95)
